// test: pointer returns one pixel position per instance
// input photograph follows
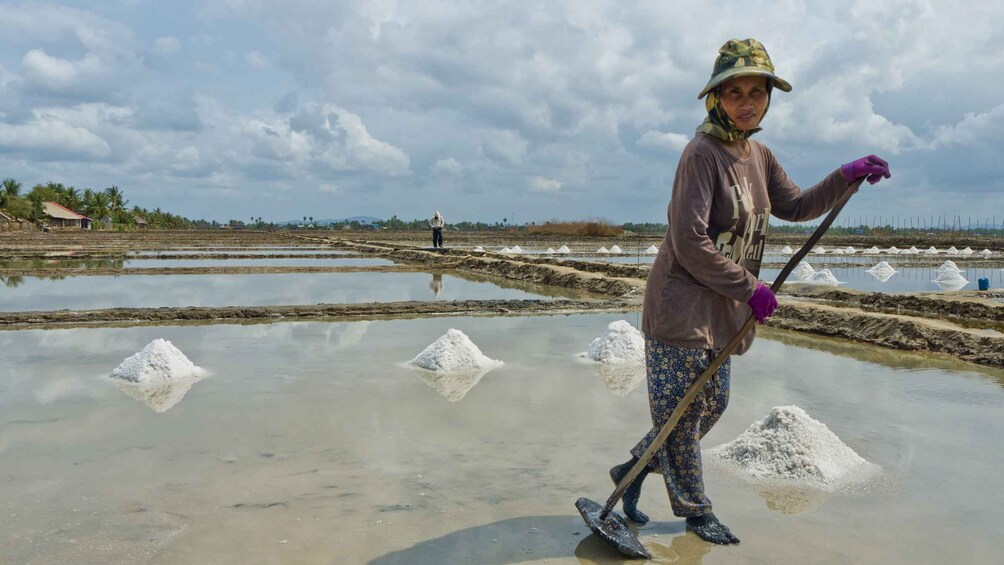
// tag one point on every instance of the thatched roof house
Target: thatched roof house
(62, 217)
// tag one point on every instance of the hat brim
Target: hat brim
(718, 79)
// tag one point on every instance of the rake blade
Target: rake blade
(613, 530)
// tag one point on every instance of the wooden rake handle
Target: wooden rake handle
(698, 385)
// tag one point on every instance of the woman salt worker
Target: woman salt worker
(704, 283)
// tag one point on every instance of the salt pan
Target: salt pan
(159, 360)
(652, 250)
(453, 351)
(564, 249)
(788, 445)
(621, 344)
(615, 249)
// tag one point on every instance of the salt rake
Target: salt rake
(610, 526)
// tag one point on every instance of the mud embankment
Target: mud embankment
(326, 312)
(981, 307)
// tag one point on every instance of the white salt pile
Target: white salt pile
(603, 250)
(453, 351)
(882, 272)
(871, 249)
(986, 252)
(948, 267)
(550, 251)
(615, 249)
(893, 250)
(652, 250)
(516, 249)
(819, 250)
(931, 250)
(913, 250)
(789, 446)
(479, 249)
(952, 251)
(621, 344)
(564, 249)
(803, 271)
(823, 277)
(505, 250)
(850, 250)
(838, 251)
(159, 360)
(966, 251)
(787, 250)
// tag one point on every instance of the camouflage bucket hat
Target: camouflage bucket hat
(743, 57)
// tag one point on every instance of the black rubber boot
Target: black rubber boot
(708, 528)
(633, 492)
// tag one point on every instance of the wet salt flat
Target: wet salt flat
(906, 279)
(245, 251)
(629, 259)
(314, 443)
(152, 291)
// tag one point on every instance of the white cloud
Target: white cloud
(544, 184)
(167, 45)
(48, 137)
(448, 166)
(328, 188)
(257, 60)
(658, 140)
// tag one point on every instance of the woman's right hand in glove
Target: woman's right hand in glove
(763, 302)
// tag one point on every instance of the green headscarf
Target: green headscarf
(717, 122)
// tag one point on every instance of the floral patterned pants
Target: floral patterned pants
(671, 371)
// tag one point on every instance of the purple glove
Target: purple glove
(870, 166)
(762, 302)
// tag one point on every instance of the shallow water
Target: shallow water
(906, 279)
(284, 250)
(334, 261)
(313, 443)
(150, 291)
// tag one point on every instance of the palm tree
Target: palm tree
(9, 189)
(116, 204)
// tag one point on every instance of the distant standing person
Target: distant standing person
(704, 283)
(436, 223)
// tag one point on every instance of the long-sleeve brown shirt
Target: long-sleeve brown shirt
(708, 264)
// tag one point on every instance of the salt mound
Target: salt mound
(550, 251)
(986, 252)
(803, 271)
(603, 250)
(652, 250)
(932, 250)
(952, 251)
(621, 344)
(893, 250)
(949, 275)
(966, 251)
(850, 250)
(160, 359)
(516, 249)
(838, 251)
(948, 267)
(479, 249)
(564, 249)
(615, 249)
(871, 249)
(505, 250)
(819, 250)
(824, 277)
(453, 351)
(913, 250)
(882, 267)
(789, 445)
(787, 250)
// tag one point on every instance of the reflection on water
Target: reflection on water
(620, 378)
(792, 500)
(451, 385)
(81, 293)
(160, 395)
(437, 284)
(903, 279)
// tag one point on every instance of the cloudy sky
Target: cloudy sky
(573, 109)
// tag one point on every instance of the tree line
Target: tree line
(106, 208)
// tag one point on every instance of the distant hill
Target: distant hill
(325, 221)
